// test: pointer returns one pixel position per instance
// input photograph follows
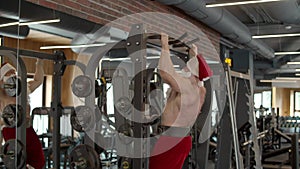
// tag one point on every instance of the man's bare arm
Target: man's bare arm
(38, 76)
(166, 67)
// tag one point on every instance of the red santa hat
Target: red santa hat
(199, 68)
(6, 67)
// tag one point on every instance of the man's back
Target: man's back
(182, 109)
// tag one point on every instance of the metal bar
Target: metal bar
(80, 65)
(137, 41)
(281, 134)
(275, 153)
(238, 157)
(183, 56)
(239, 75)
(203, 149)
(255, 147)
(251, 141)
(224, 143)
(295, 152)
(56, 108)
(136, 45)
(33, 54)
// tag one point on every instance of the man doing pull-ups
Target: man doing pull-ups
(184, 101)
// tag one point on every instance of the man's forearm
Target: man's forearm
(39, 71)
(165, 62)
(38, 76)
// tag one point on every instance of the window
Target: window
(257, 100)
(267, 99)
(40, 123)
(263, 99)
(297, 104)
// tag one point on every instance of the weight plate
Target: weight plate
(123, 105)
(84, 118)
(13, 115)
(12, 86)
(82, 86)
(75, 123)
(125, 133)
(84, 157)
(13, 154)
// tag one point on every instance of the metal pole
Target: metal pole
(136, 45)
(295, 151)
(238, 157)
(56, 108)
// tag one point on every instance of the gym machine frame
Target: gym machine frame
(56, 107)
(135, 45)
(228, 127)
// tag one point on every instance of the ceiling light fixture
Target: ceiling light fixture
(297, 74)
(128, 58)
(278, 81)
(115, 59)
(40, 22)
(9, 24)
(275, 35)
(286, 53)
(73, 46)
(297, 70)
(293, 63)
(287, 78)
(30, 23)
(211, 5)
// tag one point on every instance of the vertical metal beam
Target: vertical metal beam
(22, 100)
(56, 107)
(136, 47)
(252, 117)
(224, 142)
(202, 155)
(238, 157)
(295, 152)
(200, 150)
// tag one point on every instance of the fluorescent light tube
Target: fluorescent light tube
(293, 63)
(9, 24)
(238, 3)
(297, 74)
(275, 35)
(288, 78)
(286, 53)
(29, 23)
(40, 22)
(128, 58)
(115, 59)
(297, 70)
(277, 81)
(73, 46)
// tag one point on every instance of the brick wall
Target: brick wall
(105, 11)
